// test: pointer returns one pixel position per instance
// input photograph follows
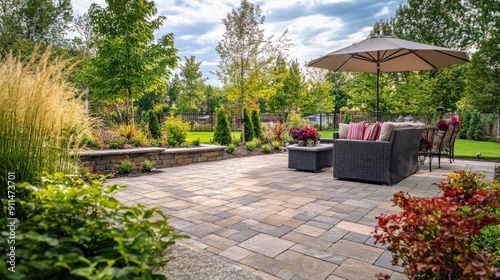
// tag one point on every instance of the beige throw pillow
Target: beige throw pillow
(343, 130)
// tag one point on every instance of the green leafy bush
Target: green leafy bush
(266, 148)
(118, 142)
(148, 166)
(222, 134)
(140, 139)
(236, 141)
(125, 167)
(446, 237)
(154, 125)
(76, 229)
(196, 142)
(465, 116)
(276, 145)
(251, 145)
(177, 130)
(230, 149)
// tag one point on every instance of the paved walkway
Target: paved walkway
(278, 223)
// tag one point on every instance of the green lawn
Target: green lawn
(206, 136)
(463, 148)
(469, 148)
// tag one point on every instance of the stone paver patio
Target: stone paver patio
(280, 223)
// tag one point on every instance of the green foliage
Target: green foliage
(476, 126)
(491, 119)
(249, 127)
(125, 167)
(257, 127)
(148, 166)
(247, 57)
(236, 140)
(433, 237)
(139, 139)
(294, 119)
(192, 85)
(154, 125)
(251, 145)
(177, 130)
(465, 117)
(276, 145)
(196, 142)
(25, 24)
(129, 61)
(77, 229)
(489, 240)
(230, 148)
(266, 148)
(222, 134)
(41, 121)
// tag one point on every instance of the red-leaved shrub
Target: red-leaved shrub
(432, 237)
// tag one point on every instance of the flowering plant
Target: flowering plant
(442, 124)
(304, 134)
(455, 122)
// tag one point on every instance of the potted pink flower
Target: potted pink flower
(442, 124)
(304, 135)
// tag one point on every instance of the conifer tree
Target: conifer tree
(154, 125)
(222, 134)
(465, 124)
(249, 131)
(475, 131)
(257, 126)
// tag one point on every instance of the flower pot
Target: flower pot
(310, 143)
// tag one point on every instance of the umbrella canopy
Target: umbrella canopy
(388, 54)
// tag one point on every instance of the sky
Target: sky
(315, 27)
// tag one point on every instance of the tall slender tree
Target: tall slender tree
(192, 86)
(245, 57)
(128, 61)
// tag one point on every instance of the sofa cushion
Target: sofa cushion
(372, 132)
(356, 130)
(343, 130)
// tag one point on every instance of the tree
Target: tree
(154, 125)
(318, 99)
(192, 86)
(483, 75)
(26, 23)
(476, 126)
(128, 62)
(257, 127)
(245, 57)
(222, 134)
(248, 133)
(471, 25)
(174, 90)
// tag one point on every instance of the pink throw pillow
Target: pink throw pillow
(372, 132)
(356, 130)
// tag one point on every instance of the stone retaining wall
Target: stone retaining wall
(104, 161)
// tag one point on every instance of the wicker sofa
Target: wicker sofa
(385, 162)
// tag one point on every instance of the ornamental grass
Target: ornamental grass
(42, 120)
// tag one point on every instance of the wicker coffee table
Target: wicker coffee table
(310, 158)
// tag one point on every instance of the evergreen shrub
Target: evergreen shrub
(222, 134)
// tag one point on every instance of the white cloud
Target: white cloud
(316, 27)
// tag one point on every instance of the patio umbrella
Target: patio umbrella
(388, 54)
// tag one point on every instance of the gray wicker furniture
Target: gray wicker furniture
(310, 158)
(385, 162)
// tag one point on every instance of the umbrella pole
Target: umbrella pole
(377, 112)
